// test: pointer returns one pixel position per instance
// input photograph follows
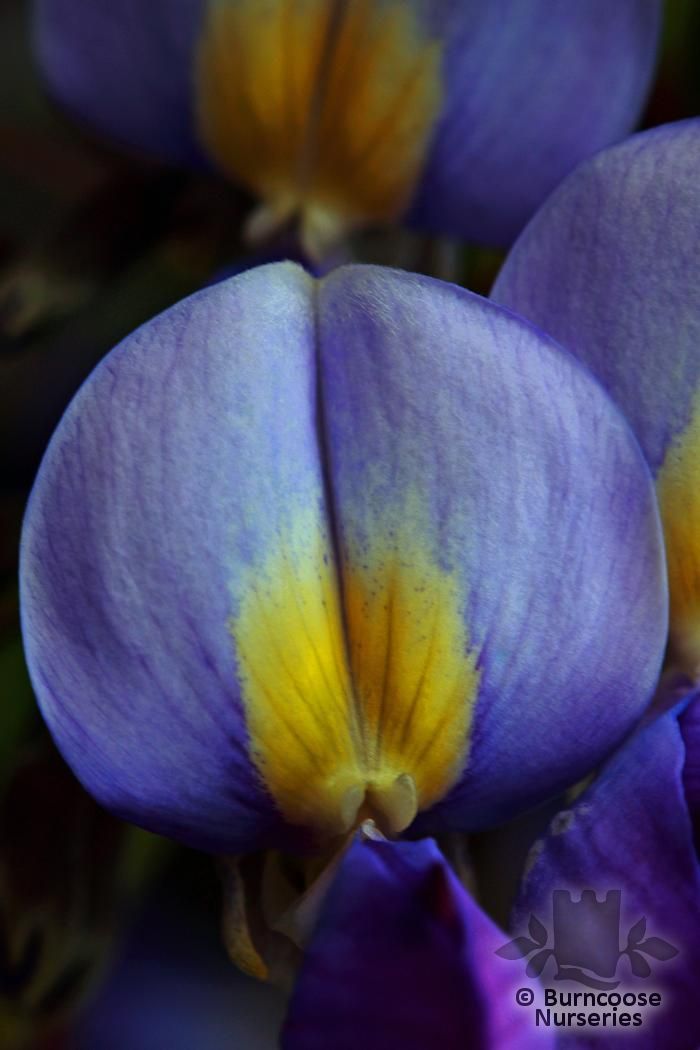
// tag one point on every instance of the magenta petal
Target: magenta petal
(404, 957)
(631, 832)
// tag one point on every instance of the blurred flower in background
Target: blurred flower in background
(342, 114)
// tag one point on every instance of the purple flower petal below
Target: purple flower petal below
(630, 834)
(404, 957)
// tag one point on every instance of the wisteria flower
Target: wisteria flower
(343, 113)
(311, 562)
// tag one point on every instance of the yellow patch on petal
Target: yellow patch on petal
(299, 699)
(678, 490)
(414, 673)
(323, 108)
(359, 706)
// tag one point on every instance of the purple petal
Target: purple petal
(621, 293)
(459, 441)
(296, 542)
(403, 956)
(169, 470)
(610, 268)
(630, 832)
(124, 67)
(531, 89)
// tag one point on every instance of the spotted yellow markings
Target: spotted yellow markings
(358, 691)
(414, 673)
(322, 108)
(678, 489)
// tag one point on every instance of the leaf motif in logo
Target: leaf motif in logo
(640, 967)
(637, 932)
(517, 948)
(537, 931)
(537, 963)
(657, 948)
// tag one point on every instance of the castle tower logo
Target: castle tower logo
(586, 941)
